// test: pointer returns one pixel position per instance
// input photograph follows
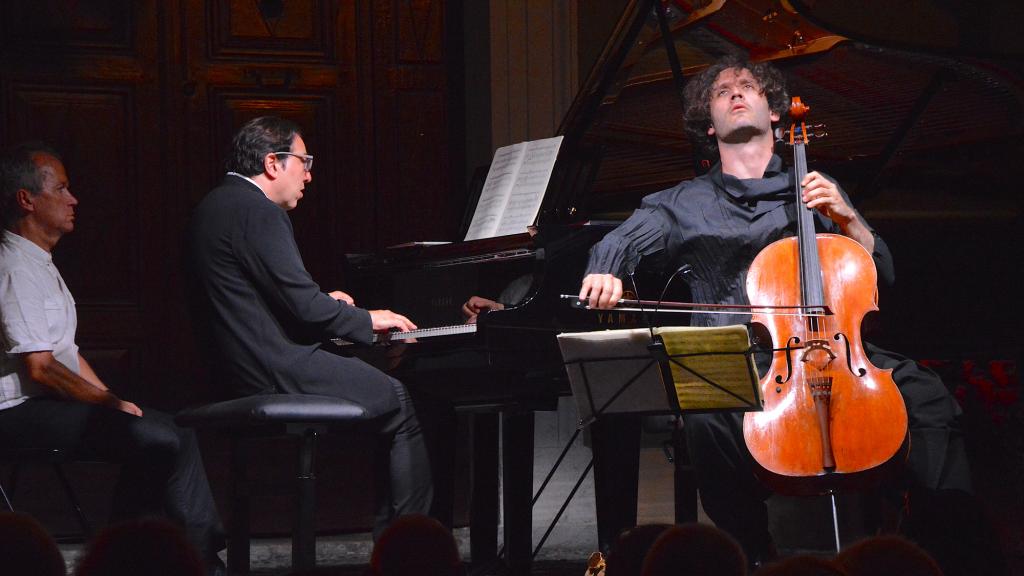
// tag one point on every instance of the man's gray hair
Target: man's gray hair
(18, 170)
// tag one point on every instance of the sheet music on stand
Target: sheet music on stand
(514, 188)
(695, 369)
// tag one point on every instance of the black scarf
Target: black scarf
(775, 185)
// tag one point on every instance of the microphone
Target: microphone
(639, 303)
(684, 269)
(657, 346)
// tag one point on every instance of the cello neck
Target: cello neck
(811, 290)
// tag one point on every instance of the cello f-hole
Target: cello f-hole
(849, 359)
(789, 359)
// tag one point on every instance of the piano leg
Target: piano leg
(442, 436)
(616, 446)
(483, 507)
(517, 460)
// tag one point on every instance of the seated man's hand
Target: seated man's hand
(385, 320)
(475, 305)
(601, 291)
(129, 408)
(339, 295)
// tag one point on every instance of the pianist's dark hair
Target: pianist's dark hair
(697, 95)
(257, 138)
(18, 170)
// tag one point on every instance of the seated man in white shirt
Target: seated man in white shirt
(50, 398)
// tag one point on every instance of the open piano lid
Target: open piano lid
(895, 117)
(934, 123)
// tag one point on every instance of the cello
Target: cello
(830, 418)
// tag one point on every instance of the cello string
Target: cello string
(815, 372)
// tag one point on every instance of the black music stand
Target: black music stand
(679, 369)
(626, 373)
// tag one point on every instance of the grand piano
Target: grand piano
(894, 113)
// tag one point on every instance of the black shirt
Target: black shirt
(717, 224)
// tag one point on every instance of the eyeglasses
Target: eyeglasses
(307, 159)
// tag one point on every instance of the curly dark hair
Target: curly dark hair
(18, 170)
(257, 138)
(697, 95)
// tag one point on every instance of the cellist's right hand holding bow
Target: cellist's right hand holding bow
(601, 291)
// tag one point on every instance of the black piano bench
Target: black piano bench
(265, 416)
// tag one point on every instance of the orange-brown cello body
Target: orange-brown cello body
(831, 419)
(865, 418)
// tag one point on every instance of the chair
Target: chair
(52, 457)
(266, 416)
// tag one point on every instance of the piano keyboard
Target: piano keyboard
(418, 333)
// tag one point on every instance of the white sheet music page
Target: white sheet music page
(496, 190)
(514, 189)
(530, 184)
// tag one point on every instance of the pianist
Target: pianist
(717, 223)
(267, 316)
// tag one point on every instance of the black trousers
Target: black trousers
(734, 499)
(162, 471)
(403, 465)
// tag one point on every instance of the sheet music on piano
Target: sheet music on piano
(514, 188)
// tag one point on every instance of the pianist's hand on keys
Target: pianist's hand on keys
(385, 320)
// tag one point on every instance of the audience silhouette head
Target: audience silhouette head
(416, 544)
(802, 565)
(27, 548)
(887, 556)
(626, 557)
(695, 550)
(150, 546)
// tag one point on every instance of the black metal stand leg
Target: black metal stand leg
(616, 442)
(73, 500)
(6, 499)
(483, 511)
(304, 536)
(517, 458)
(238, 529)
(685, 480)
(3, 492)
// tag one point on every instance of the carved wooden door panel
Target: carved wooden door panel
(417, 128)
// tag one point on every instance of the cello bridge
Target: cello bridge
(818, 354)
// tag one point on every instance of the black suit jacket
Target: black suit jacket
(265, 314)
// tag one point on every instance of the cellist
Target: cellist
(717, 223)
